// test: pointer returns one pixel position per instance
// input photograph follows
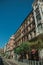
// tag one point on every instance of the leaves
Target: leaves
(28, 46)
(24, 47)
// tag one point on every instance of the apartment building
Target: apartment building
(10, 46)
(31, 28)
(38, 15)
(26, 31)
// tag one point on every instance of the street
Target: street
(5, 62)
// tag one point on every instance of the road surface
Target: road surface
(4, 62)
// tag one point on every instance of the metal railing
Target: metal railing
(33, 62)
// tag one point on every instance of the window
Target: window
(42, 9)
(37, 11)
(42, 25)
(39, 27)
(38, 17)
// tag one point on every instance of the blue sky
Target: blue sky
(12, 14)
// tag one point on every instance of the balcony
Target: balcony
(21, 29)
(18, 38)
(33, 34)
(28, 28)
(8, 49)
(35, 3)
(29, 36)
(32, 27)
(28, 25)
(18, 35)
(24, 33)
(21, 34)
(28, 22)
(39, 22)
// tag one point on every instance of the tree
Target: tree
(23, 48)
(39, 44)
(17, 50)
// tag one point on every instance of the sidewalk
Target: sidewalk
(17, 62)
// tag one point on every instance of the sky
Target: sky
(12, 14)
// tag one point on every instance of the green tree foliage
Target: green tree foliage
(24, 47)
(39, 44)
(28, 46)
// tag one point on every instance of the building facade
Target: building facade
(1, 51)
(38, 15)
(31, 27)
(10, 46)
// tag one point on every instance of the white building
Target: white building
(38, 15)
